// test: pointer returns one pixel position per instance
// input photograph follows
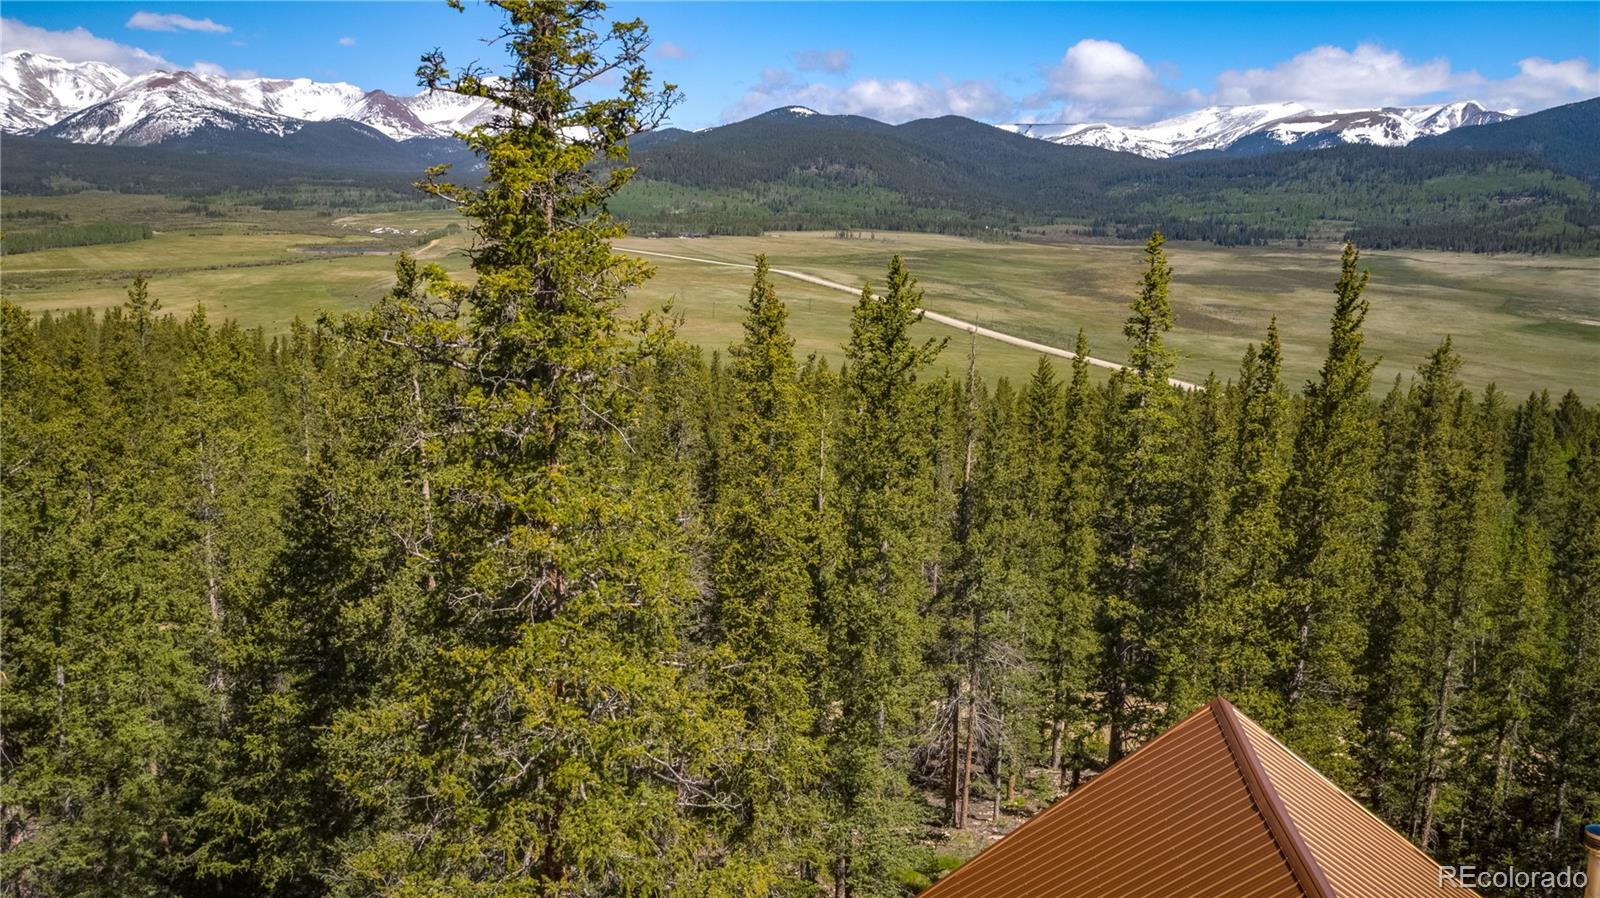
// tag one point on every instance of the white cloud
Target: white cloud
(78, 45)
(670, 50)
(1370, 76)
(835, 62)
(1335, 78)
(894, 100)
(161, 21)
(347, 41)
(1100, 80)
(1539, 84)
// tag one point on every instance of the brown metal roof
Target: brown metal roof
(1358, 853)
(1212, 807)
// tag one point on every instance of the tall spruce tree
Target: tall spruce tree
(1567, 749)
(1188, 660)
(766, 649)
(544, 744)
(1238, 624)
(1439, 554)
(957, 648)
(1137, 513)
(337, 612)
(1064, 638)
(1330, 511)
(869, 609)
(1510, 679)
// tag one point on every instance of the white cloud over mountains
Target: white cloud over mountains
(161, 21)
(1104, 81)
(1370, 75)
(1101, 80)
(1541, 83)
(889, 100)
(78, 45)
(81, 45)
(1094, 80)
(1334, 77)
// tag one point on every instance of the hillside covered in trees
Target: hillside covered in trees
(488, 591)
(783, 171)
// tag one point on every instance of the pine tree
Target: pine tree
(110, 729)
(869, 610)
(1189, 659)
(1243, 646)
(1567, 749)
(1136, 516)
(766, 649)
(1329, 509)
(1443, 546)
(337, 612)
(957, 648)
(1064, 638)
(1510, 680)
(1536, 469)
(544, 744)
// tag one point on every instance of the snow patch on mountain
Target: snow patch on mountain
(160, 106)
(446, 112)
(299, 98)
(1220, 127)
(93, 102)
(37, 90)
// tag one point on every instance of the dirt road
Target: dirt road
(967, 326)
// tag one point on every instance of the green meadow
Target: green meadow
(1523, 322)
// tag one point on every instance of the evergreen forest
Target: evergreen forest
(490, 590)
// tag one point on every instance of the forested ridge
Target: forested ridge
(490, 590)
(781, 171)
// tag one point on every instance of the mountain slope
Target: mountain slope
(38, 90)
(161, 106)
(787, 170)
(299, 98)
(950, 162)
(1568, 137)
(95, 103)
(1258, 128)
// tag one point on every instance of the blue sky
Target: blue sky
(1122, 62)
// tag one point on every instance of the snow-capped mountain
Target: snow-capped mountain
(446, 113)
(1266, 126)
(38, 90)
(300, 98)
(93, 102)
(160, 106)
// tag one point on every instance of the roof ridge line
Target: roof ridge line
(1351, 799)
(1301, 861)
(1062, 801)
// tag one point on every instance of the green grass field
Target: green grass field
(1523, 322)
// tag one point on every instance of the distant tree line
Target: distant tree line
(14, 242)
(490, 591)
(36, 214)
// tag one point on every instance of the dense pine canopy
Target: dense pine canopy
(491, 591)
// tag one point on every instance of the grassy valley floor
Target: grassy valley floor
(1523, 322)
